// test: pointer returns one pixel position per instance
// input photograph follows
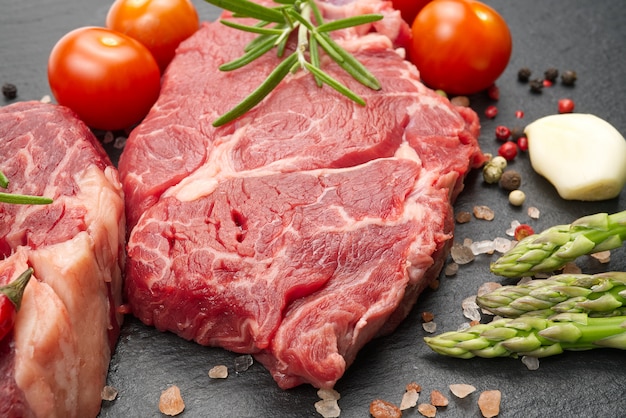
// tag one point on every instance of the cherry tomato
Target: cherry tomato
(409, 8)
(109, 79)
(460, 46)
(161, 25)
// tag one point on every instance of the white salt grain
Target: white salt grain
(532, 363)
(109, 393)
(502, 245)
(461, 390)
(46, 99)
(511, 231)
(470, 308)
(603, 256)
(243, 363)
(429, 326)
(409, 399)
(218, 372)
(484, 212)
(120, 142)
(482, 247)
(108, 137)
(533, 212)
(451, 269)
(328, 408)
(328, 394)
(461, 254)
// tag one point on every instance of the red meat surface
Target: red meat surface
(308, 226)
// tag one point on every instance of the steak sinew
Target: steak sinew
(55, 361)
(308, 226)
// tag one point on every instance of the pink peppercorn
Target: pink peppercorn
(522, 143)
(502, 133)
(566, 106)
(491, 111)
(519, 114)
(493, 92)
(508, 150)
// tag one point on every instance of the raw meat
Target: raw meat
(308, 226)
(54, 363)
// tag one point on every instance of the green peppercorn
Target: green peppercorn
(568, 78)
(523, 74)
(536, 85)
(551, 74)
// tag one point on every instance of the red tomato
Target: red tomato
(109, 79)
(460, 46)
(161, 25)
(409, 8)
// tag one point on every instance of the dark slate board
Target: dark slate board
(584, 36)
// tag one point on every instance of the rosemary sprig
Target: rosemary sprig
(274, 28)
(19, 199)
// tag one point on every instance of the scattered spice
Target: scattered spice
(517, 197)
(461, 254)
(493, 92)
(547, 83)
(463, 217)
(524, 74)
(438, 399)
(108, 393)
(427, 410)
(522, 231)
(536, 85)
(508, 150)
(522, 143)
(451, 269)
(171, 402)
(566, 106)
(218, 372)
(427, 316)
(551, 74)
(9, 91)
(461, 390)
(243, 363)
(519, 114)
(531, 363)
(462, 101)
(533, 212)
(602, 256)
(383, 409)
(328, 408)
(409, 399)
(489, 403)
(568, 78)
(491, 111)
(429, 327)
(510, 180)
(503, 133)
(484, 212)
(414, 386)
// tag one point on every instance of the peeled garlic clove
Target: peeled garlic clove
(583, 156)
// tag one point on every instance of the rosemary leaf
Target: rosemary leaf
(351, 64)
(251, 55)
(4, 181)
(252, 29)
(348, 22)
(321, 75)
(247, 8)
(316, 12)
(275, 77)
(20, 199)
(314, 53)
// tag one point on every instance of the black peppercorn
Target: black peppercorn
(9, 91)
(551, 74)
(536, 85)
(568, 78)
(524, 74)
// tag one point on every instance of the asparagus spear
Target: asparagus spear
(532, 336)
(554, 247)
(597, 295)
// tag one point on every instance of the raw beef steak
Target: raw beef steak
(54, 363)
(308, 226)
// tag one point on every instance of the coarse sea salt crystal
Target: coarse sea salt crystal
(218, 372)
(461, 254)
(243, 363)
(532, 363)
(328, 408)
(429, 326)
(470, 308)
(502, 245)
(511, 231)
(482, 247)
(119, 142)
(409, 399)
(533, 212)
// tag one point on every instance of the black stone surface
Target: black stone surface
(580, 35)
